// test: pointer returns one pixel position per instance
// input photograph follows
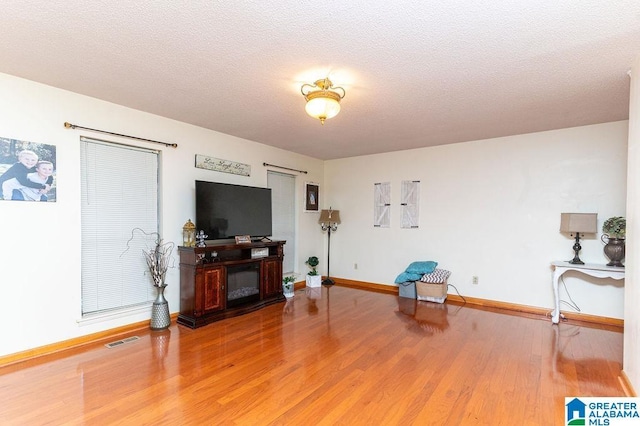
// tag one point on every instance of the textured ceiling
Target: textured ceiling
(417, 73)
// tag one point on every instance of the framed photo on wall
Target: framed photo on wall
(27, 171)
(311, 197)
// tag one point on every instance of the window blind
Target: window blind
(283, 191)
(119, 194)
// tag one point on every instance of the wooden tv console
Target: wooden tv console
(203, 279)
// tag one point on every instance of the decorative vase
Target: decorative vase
(614, 250)
(160, 318)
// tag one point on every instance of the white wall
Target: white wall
(40, 274)
(488, 208)
(631, 364)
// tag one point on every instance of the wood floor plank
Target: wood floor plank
(343, 356)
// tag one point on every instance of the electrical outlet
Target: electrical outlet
(355, 266)
(474, 280)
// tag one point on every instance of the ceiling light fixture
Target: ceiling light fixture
(323, 100)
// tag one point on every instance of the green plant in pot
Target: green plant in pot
(313, 278)
(288, 285)
(614, 231)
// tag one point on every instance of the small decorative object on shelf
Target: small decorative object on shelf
(614, 231)
(189, 234)
(200, 237)
(243, 239)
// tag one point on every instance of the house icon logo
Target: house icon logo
(575, 412)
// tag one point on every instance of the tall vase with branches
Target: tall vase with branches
(159, 260)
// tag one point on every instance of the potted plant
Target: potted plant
(615, 227)
(288, 285)
(313, 279)
(614, 231)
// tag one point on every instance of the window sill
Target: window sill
(95, 318)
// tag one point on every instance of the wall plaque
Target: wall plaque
(220, 165)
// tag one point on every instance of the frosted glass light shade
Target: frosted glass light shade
(323, 99)
(322, 108)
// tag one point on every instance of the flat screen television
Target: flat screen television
(224, 210)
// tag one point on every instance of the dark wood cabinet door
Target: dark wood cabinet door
(213, 288)
(272, 276)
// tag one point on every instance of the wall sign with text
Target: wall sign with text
(220, 165)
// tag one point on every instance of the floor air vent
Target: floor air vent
(122, 342)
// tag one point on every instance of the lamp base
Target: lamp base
(328, 281)
(576, 249)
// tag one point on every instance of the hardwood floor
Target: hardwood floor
(335, 356)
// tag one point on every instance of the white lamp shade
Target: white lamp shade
(322, 107)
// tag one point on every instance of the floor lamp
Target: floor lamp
(329, 220)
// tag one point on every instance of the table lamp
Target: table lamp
(576, 224)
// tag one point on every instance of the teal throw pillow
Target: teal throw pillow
(423, 267)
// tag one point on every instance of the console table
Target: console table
(207, 274)
(594, 270)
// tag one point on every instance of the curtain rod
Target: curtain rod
(75, 126)
(285, 168)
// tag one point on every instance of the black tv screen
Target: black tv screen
(225, 211)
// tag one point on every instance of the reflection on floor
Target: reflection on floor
(329, 355)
